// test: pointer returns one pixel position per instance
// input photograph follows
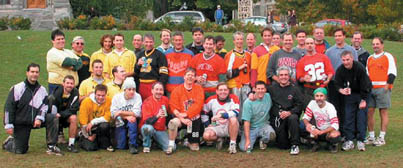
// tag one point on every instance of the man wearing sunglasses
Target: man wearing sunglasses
(77, 45)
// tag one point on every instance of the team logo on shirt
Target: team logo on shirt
(205, 67)
(177, 67)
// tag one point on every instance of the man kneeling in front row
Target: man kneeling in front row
(225, 109)
(321, 122)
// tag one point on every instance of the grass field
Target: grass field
(15, 54)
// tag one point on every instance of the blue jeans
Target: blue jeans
(161, 137)
(355, 121)
(121, 132)
(254, 133)
(218, 21)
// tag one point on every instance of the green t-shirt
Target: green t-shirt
(257, 112)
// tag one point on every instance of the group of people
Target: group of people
(202, 94)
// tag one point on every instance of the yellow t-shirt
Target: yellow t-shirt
(113, 89)
(98, 55)
(90, 110)
(54, 61)
(88, 86)
(127, 60)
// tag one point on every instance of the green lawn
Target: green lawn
(16, 54)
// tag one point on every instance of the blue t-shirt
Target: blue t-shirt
(257, 112)
(334, 54)
(219, 13)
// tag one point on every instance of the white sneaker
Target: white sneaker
(379, 142)
(294, 150)
(262, 145)
(348, 145)
(146, 149)
(360, 146)
(169, 150)
(232, 148)
(369, 140)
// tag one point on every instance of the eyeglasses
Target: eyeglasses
(78, 43)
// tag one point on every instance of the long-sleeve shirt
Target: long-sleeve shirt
(283, 58)
(259, 60)
(356, 77)
(155, 67)
(287, 98)
(382, 69)
(149, 111)
(120, 103)
(94, 113)
(187, 101)
(178, 62)
(237, 77)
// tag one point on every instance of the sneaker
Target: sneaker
(110, 149)
(219, 143)
(54, 150)
(84, 132)
(315, 147)
(379, 142)
(194, 147)
(348, 145)
(72, 149)
(61, 140)
(146, 149)
(360, 146)
(133, 149)
(369, 140)
(333, 148)
(262, 145)
(8, 140)
(294, 150)
(232, 148)
(169, 150)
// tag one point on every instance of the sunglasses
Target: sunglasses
(78, 43)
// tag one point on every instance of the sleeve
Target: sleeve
(365, 83)
(163, 69)
(308, 111)
(334, 121)
(174, 101)
(9, 110)
(271, 67)
(354, 54)
(300, 69)
(79, 64)
(68, 62)
(338, 79)
(43, 109)
(206, 111)
(92, 58)
(84, 110)
(132, 61)
(234, 110)
(115, 105)
(82, 90)
(137, 106)
(106, 66)
(246, 110)
(72, 107)
(328, 66)
(297, 102)
(146, 111)
(137, 67)
(253, 69)
(197, 106)
(54, 58)
(392, 70)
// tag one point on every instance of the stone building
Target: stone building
(43, 13)
(247, 8)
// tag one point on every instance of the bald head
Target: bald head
(310, 46)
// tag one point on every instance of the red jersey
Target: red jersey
(151, 108)
(317, 66)
(212, 67)
(239, 59)
(320, 48)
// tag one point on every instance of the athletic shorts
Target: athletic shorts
(379, 98)
(220, 130)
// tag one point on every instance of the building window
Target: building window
(36, 3)
(4, 2)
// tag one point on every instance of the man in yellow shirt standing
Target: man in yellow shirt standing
(61, 62)
(120, 56)
(106, 43)
(87, 86)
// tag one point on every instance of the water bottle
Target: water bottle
(348, 88)
(249, 150)
(164, 109)
(144, 62)
(119, 122)
(245, 70)
(189, 128)
(312, 128)
(205, 78)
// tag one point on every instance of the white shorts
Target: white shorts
(220, 130)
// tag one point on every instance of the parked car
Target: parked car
(279, 27)
(178, 16)
(334, 22)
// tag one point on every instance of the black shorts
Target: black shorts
(64, 122)
(194, 137)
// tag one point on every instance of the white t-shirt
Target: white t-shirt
(325, 117)
(119, 103)
(213, 105)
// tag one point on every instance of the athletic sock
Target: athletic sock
(232, 142)
(382, 134)
(371, 134)
(71, 141)
(171, 143)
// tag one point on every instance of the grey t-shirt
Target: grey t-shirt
(283, 58)
(300, 50)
